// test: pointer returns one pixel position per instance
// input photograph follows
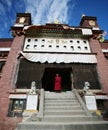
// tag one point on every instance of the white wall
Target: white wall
(56, 45)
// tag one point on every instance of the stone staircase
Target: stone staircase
(64, 111)
(62, 107)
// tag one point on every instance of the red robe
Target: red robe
(57, 84)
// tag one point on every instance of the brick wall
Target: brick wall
(9, 123)
(102, 65)
(6, 82)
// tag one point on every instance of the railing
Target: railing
(81, 102)
(41, 105)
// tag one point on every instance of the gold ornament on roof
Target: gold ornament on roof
(83, 15)
(56, 21)
(22, 19)
(92, 23)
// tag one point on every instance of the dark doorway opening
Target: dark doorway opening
(49, 75)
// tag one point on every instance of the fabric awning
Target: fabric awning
(101, 97)
(105, 50)
(17, 96)
(2, 60)
(60, 58)
(5, 48)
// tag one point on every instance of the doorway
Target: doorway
(49, 75)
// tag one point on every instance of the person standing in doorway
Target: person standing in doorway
(57, 83)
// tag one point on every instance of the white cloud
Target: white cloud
(8, 2)
(4, 6)
(2, 9)
(44, 11)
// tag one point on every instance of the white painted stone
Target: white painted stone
(91, 102)
(32, 102)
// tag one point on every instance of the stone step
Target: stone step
(61, 103)
(54, 93)
(62, 116)
(61, 106)
(64, 113)
(64, 110)
(77, 106)
(65, 96)
(61, 93)
(60, 109)
(60, 96)
(55, 98)
(88, 125)
(70, 118)
(61, 99)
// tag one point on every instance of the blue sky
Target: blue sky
(43, 11)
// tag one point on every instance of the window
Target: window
(2, 66)
(3, 54)
(84, 41)
(86, 48)
(36, 40)
(16, 107)
(79, 47)
(64, 46)
(43, 40)
(50, 45)
(27, 46)
(29, 40)
(71, 41)
(78, 41)
(72, 47)
(57, 46)
(42, 45)
(35, 46)
(106, 55)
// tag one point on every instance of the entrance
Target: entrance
(49, 75)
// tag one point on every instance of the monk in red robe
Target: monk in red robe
(57, 83)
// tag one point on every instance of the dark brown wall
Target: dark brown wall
(85, 73)
(36, 71)
(102, 64)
